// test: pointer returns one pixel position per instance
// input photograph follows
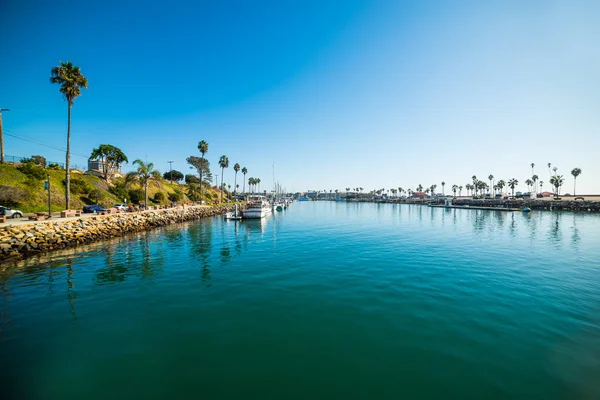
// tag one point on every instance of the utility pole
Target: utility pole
(171, 170)
(1, 136)
(49, 208)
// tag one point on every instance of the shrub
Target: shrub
(175, 197)
(79, 186)
(136, 195)
(37, 160)
(11, 196)
(159, 197)
(33, 171)
(96, 195)
(55, 167)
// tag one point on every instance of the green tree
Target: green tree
(528, 182)
(500, 184)
(541, 183)
(575, 172)
(491, 179)
(223, 163)
(557, 181)
(176, 175)
(71, 80)
(145, 172)
(236, 168)
(37, 160)
(534, 179)
(512, 183)
(454, 189)
(112, 157)
(443, 185)
(203, 147)
(475, 181)
(202, 166)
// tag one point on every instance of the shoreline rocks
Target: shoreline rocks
(20, 241)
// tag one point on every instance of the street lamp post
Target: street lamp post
(171, 170)
(2, 136)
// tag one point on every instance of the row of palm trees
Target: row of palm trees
(478, 186)
(224, 163)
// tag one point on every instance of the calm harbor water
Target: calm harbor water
(324, 300)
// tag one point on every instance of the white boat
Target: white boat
(234, 215)
(256, 207)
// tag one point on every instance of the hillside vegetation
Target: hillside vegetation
(23, 188)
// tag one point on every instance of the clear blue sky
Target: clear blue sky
(376, 94)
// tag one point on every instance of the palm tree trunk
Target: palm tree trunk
(201, 167)
(244, 190)
(234, 182)
(222, 169)
(68, 161)
(146, 195)
(574, 184)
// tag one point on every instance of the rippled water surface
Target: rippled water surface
(324, 300)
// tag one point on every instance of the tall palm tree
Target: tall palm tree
(145, 172)
(541, 183)
(512, 183)
(500, 184)
(528, 182)
(460, 188)
(236, 168)
(244, 171)
(223, 163)
(557, 181)
(549, 165)
(71, 80)
(491, 178)
(258, 183)
(534, 179)
(475, 183)
(420, 188)
(454, 189)
(203, 147)
(575, 172)
(554, 169)
(443, 184)
(532, 165)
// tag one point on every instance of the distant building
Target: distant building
(96, 167)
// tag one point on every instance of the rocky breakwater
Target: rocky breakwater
(550, 205)
(18, 241)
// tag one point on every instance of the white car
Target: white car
(10, 213)
(121, 207)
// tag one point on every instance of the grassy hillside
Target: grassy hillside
(22, 191)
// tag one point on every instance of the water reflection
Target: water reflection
(200, 241)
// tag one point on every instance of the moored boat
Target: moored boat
(256, 207)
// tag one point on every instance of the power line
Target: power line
(39, 143)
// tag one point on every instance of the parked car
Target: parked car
(93, 208)
(498, 196)
(10, 213)
(121, 207)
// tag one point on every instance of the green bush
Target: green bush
(118, 189)
(159, 197)
(96, 195)
(11, 196)
(136, 195)
(175, 197)
(37, 160)
(55, 167)
(33, 171)
(79, 186)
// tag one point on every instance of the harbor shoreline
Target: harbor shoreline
(24, 240)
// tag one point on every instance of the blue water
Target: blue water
(324, 300)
